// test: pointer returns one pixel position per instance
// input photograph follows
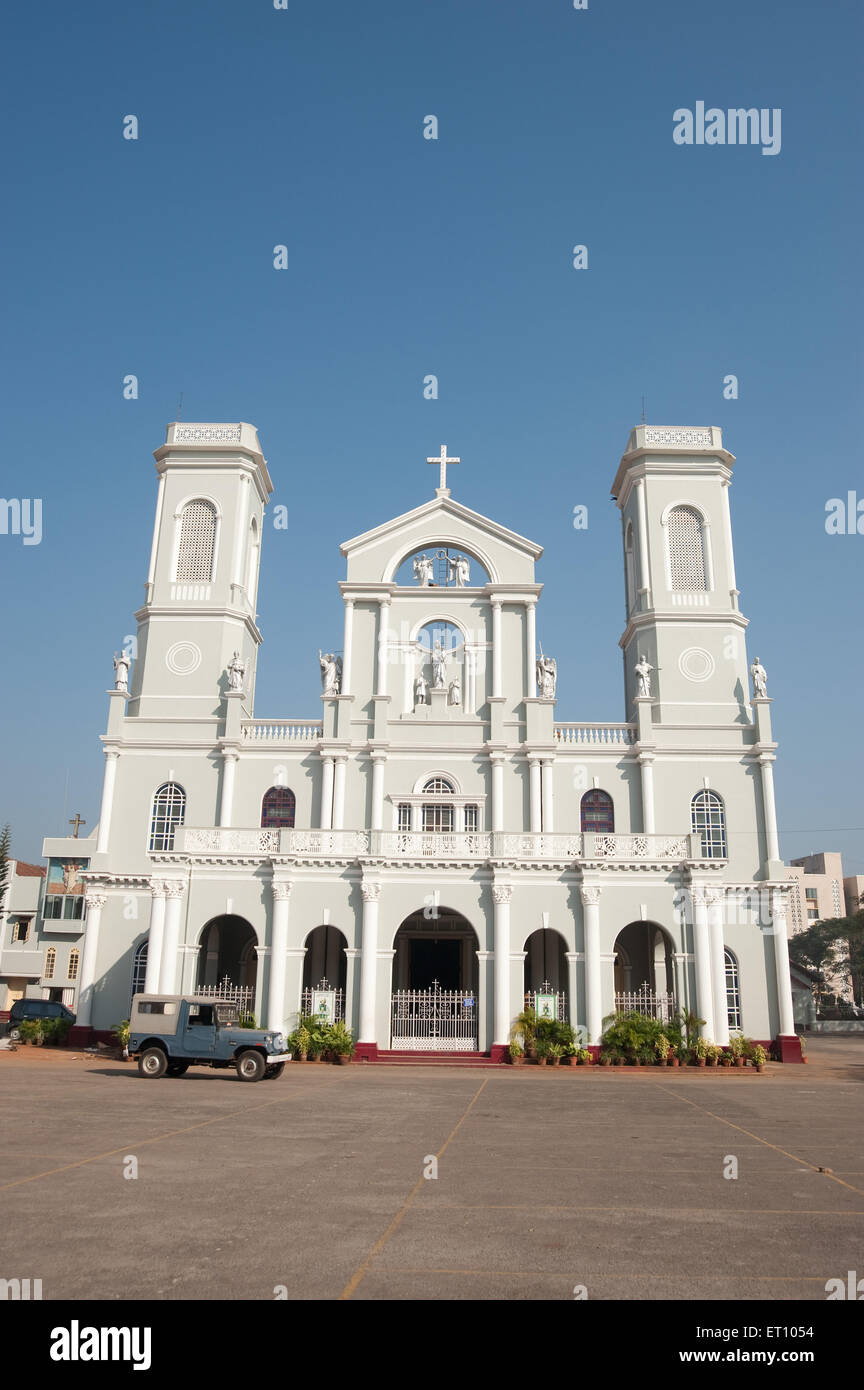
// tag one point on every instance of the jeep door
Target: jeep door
(199, 1031)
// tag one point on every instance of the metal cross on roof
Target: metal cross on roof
(76, 823)
(442, 462)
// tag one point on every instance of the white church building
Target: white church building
(434, 844)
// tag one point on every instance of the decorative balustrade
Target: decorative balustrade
(282, 730)
(596, 734)
(432, 844)
(674, 847)
(516, 846)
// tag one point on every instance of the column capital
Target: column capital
(590, 894)
(95, 901)
(174, 888)
(281, 889)
(699, 894)
(501, 893)
(714, 896)
(157, 887)
(378, 755)
(371, 891)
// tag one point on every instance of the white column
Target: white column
(229, 769)
(770, 810)
(702, 953)
(339, 793)
(95, 903)
(646, 764)
(107, 801)
(716, 901)
(160, 502)
(173, 905)
(276, 1011)
(347, 646)
(501, 895)
(369, 962)
(781, 965)
(535, 796)
(155, 938)
(593, 976)
(326, 817)
(531, 648)
(416, 816)
(496, 648)
(378, 761)
(548, 795)
(497, 793)
(573, 959)
(644, 572)
(383, 616)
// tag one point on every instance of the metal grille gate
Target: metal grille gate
(439, 1020)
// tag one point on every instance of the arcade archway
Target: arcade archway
(435, 1004)
(227, 957)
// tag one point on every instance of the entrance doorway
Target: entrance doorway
(435, 977)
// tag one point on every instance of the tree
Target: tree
(814, 950)
(5, 856)
(846, 935)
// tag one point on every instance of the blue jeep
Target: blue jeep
(169, 1033)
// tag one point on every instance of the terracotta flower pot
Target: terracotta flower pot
(740, 1061)
(700, 1061)
(674, 1061)
(517, 1061)
(342, 1060)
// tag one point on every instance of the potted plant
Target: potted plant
(121, 1033)
(516, 1053)
(700, 1052)
(736, 1049)
(760, 1057)
(663, 1049)
(541, 1051)
(605, 1059)
(725, 1058)
(555, 1053)
(341, 1043)
(525, 1027)
(303, 1041)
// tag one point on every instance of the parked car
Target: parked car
(23, 1010)
(169, 1033)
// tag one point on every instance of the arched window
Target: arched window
(50, 963)
(139, 969)
(278, 808)
(598, 813)
(630, 567)
(708, 820)
(438, 816)
(733, 992)
(169, 810)
(197, 543)
(72, 971)
(685, 540)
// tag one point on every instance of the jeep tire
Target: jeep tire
(250, 1065)
(152, 1062)
(178, 1068)
(273, 1071)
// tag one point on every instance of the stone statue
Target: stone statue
(423, 570)
(236, 672)
(421, 690)
(643, 669)
(547, 676)
(439, 663)
(454, 694)
(760, 676)
(331, 672)
(122, 662)
(459, 571)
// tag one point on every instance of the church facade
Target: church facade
(434, 845)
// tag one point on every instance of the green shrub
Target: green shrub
(245, 1021)
(121, 1032)
(340, 1040)
(631, 1035)
(32, 1030)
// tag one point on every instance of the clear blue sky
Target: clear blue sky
(408, 256)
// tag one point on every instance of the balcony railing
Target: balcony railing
(517, 846)
(281, 730)
(610, 735)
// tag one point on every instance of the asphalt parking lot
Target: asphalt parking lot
(546, 1181)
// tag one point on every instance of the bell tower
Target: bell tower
(682, 616)
(202, 584)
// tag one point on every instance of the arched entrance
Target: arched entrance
(325, 971)
(644, 970)
(546, 969)
(227, 960)
(435, 1005)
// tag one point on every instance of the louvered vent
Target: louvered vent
(197, 538)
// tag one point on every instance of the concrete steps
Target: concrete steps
(434, 1059)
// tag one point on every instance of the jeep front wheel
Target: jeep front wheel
(250, 1066)
(152, 1062)
(271, 1072)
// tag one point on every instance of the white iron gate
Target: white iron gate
(241, 995)
(438, 1020)
(645, 1001)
